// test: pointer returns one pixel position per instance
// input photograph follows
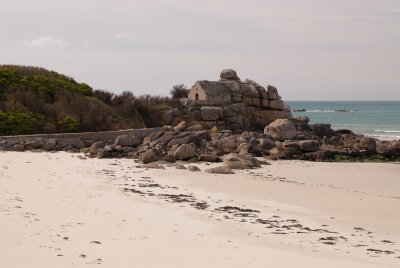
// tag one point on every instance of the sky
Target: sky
(308, 49)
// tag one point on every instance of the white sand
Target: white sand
(57, 210)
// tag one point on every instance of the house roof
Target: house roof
(214, 87)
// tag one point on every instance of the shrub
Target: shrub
(68, 124)
(18, 123)
(179, 91)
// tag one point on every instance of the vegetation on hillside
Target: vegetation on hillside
(35, 100)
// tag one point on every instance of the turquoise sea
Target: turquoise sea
(379, 119)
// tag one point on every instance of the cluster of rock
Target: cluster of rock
(231, 104)
(282, 139)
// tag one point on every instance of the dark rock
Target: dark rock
(322, 130)
(75, 142)
(35, 144)
(185, 151)
(95, 146)
(229, 74)
(101, 153)
(368, 144)
(240, 161)
(344, 132)
(209, 158)
(211, 113)
(382, 148)
(169, 158)
(266, 144)
(193, 168)
(127, 140)
(18, 147)
(180, 166)
(272, 93)
(284, 153)
(303, 119)
(169, 116)
(309, 145)
(335, 140)
(292, 144)
(227, 144)
(150, 155)
(50, 144)
(219, 170)
(276, 105)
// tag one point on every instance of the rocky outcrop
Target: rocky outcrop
(229, 119)
(231, 104)
(283, 139)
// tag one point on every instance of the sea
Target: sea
(379, 119)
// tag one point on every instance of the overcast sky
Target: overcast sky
(308, 49)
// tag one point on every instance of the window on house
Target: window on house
(197, 96)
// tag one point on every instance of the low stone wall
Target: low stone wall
(85, 137)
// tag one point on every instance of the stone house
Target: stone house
(210, 92)
(231, 90)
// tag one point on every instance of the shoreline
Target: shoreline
(286, 213)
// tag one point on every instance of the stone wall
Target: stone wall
(74, 139)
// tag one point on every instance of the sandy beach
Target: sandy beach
(66, 210)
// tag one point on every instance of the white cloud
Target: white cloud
(45, 42)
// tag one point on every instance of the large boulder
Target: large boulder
(185, 151)
(150, 155)
(272, 93)
(368, 144)
(229, 74)
(281, 129)
(322, 130)
(209, 113)
(240, 161)
(266, 144)
(309, 145)
(127, 140)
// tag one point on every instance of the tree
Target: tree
(179, 91)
